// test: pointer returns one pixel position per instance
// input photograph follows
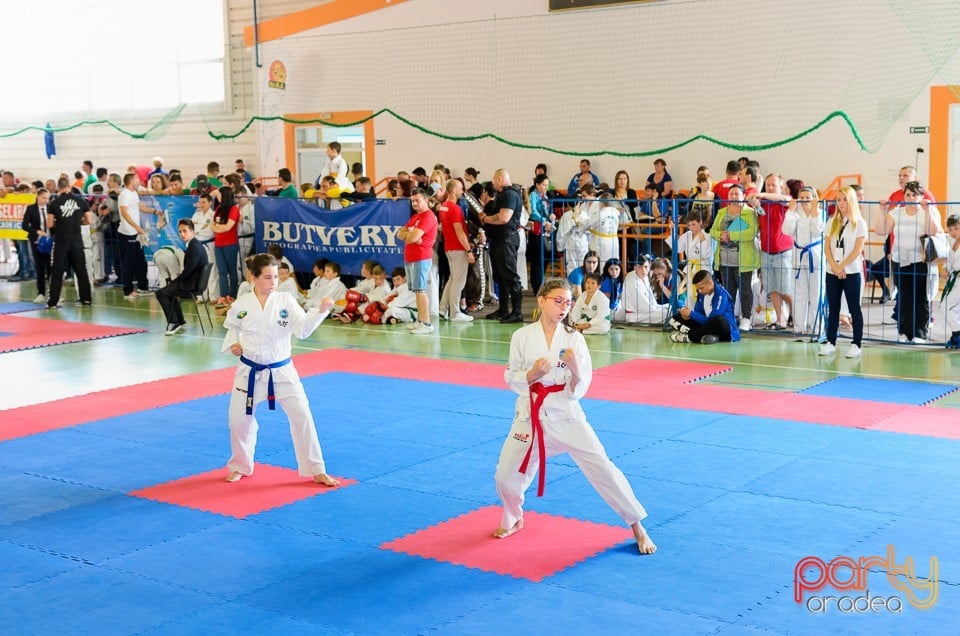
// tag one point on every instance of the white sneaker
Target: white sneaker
(445, 315)
(145, 292)
(40, 299)
(826, 349)
(919, 341)
(132, 296)
(902, 338)
(422, 329)
(676, 336)
(413, 325)
(462, 318)
(745, 324)
(853, 351)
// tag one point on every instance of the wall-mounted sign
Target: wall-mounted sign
(919, 130)
(277, 76)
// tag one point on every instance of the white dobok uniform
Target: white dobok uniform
(807, 234)
(403, 305)
(639, 304)
(565, 427)
(321, 287)
(572, 234)
(604, 223)
(698, 251)
(951, 304)
(596, 311)
(264, 334)
(203, 228)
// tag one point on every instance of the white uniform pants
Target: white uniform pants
(951, 306)
(806, 298)
(243, 428)
(577, 439)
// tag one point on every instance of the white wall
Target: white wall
(833, 70)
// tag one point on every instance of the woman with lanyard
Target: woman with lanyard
(550, 370)
(259, 326)
(909, 222)
(843, 246)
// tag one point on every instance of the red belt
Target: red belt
(538, 393)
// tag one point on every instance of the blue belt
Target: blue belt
(252, 380)
(805, 249)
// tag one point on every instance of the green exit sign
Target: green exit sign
(919, 130)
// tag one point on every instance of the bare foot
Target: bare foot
(326, 480)
(234, 476)
(503, 533)
(644, 543)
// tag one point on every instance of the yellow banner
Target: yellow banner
(12, 207)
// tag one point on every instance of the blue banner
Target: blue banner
(163, 233)
(359, 232)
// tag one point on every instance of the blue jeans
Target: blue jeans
(227, 259)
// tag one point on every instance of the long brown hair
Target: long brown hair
(258, 262)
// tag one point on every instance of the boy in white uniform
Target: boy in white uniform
(604, 223)
(639, 304)
(572, 231)
(287, 284)
(335, 167)
(950, 298)
(550, 370)
(696, 248)
(203, 221)
(804, 222)
(326, 283)
(259, 326)
(591, 314)
(402, 303)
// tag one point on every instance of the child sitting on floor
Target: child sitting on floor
(402, 303)
(711, 319)
(327, 283)
(591, 314)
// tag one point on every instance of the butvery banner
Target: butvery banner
(162, 229)
(12, 207)
(359, 232)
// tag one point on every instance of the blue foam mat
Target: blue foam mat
(880, 390)
(734, 502)
(17, 307)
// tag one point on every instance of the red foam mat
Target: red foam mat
(546, 545)
(653, 382)
(30, 333)
(267, 488)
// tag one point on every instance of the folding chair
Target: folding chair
(202, 292)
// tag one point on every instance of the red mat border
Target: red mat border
(619, 384)
(20, 329)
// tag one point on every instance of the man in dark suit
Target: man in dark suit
(35, 225)
(194, 260)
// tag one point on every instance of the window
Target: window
(104, 57)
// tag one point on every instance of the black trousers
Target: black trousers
(168, 297)
(68, 250)
(503, 255)
(535, 258)
(913, 316)
(134, 266)
(715, 325)
(41, 263)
